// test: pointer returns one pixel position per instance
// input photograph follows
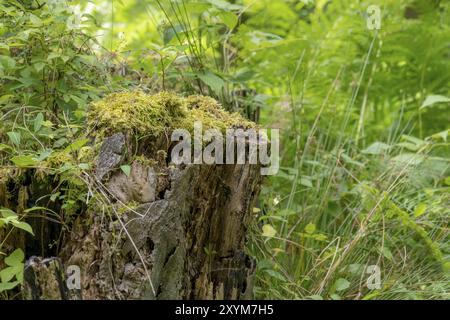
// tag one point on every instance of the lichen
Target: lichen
(150, 115)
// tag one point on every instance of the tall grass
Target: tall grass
(364, 182)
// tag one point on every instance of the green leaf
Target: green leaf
(84, 166)
(310, 228)
(8, 273)
(4, 46)
(24, 161)
(4, 147)
(53, 55)
(447, 180)
(23, 225)
(76, 145)
(8, 285)
(44, 154)
(306, 181)
(7, 62)
(228, 18)
(376, 148)
(441, 135)
(433, 99)
(335, 296)
(411, 159)
(420, 209)
(126, 169)
(225, 5)
(37, 123)
(14, 137)
(213, 81)
(387, 253)
(268, 231)
(35, 21)
(6, 213)
(341, 284)
(15, 258)
(39, 66)
(275, 274)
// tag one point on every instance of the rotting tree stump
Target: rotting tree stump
(163, 231)
(190, 242)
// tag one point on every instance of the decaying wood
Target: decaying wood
(184, 238)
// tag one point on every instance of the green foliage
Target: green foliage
(48, 75)
(12, 275)
(46, 61)
(13, 270)
(363, 116)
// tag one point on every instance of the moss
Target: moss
(143, 114)
(145, 161)
(57, 159)
(7, 173)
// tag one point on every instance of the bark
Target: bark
(183, 238)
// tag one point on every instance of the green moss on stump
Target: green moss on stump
(144, 114)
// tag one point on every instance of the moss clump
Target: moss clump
(7, 173)
(145, 161)
(144, 114)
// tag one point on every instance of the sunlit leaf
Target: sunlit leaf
(434, 99)
(24, 161)
(268, 231)
(420, 209)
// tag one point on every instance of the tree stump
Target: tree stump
(159, 231)
(188, 245)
